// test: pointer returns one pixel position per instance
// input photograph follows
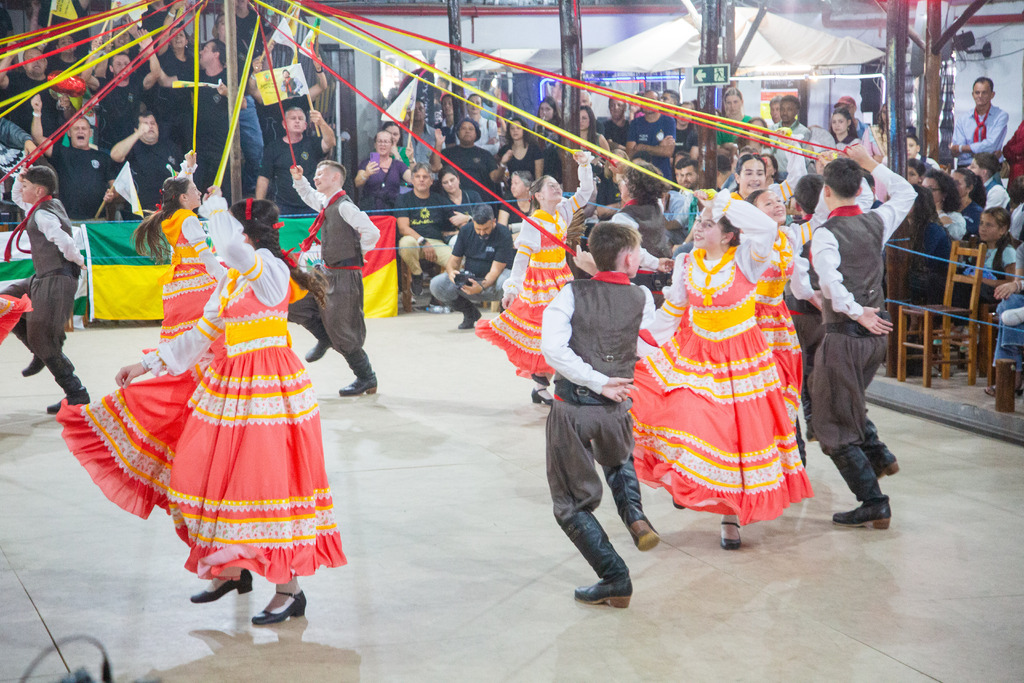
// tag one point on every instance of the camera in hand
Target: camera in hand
(463, 277)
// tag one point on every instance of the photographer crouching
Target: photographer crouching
(477, 268)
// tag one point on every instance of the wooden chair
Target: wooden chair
(951, 333)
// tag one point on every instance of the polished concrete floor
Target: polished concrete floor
(458, 572)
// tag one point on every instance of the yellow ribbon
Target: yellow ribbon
(239, 99)
(54, 37)
(707, 290)
(195, 80)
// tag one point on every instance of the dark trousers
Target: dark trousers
(53, 300)
(340, 321)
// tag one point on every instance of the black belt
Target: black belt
(579, 395)
(69, 269)
(354, 262)
(852, 328)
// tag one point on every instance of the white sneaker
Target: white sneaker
(1013, 317)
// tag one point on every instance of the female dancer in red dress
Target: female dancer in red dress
(710, 422)
(174, 234)
(247, 490)
(538, 273)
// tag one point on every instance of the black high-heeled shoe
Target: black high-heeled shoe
(728, 543)
(296, 609)
(243, 584)
(537, 398)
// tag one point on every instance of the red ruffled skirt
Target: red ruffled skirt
(234, 455)
(776, 325)
(517, 330)
(184, 298)
(11, 310)
(711, 426)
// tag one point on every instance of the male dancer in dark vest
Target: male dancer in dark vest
(346, 233)
(57, 264)
(589, 336)
(847, 253)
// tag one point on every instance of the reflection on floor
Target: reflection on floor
(458, 571)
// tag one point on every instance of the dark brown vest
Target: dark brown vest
(653, 228)
(861, 263)
(46, 256)
(605, 324)
(339, 240)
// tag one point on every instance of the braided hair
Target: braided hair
(149, 239)
(259, 219)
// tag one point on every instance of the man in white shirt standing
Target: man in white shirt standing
(983, 130)
(847, 252)
(347, 234)
(57, 263)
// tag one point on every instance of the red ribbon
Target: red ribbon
(248, 209)
(308, 243)
(16, 234)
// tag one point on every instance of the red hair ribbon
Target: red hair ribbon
(290, 259)
(158, 207)
(278, 225)
(248, 209)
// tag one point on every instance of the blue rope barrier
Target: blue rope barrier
(947, 261)
(907, 304)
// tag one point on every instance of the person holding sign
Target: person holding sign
(275, 178)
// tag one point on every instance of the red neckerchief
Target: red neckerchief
(16, 235)
(631, 202)
(308, 243)
(612, 277)
(851, 210)
(981, 130)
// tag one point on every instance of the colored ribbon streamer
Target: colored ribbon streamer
(239, 99)
(273, 80)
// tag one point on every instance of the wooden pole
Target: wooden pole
(455, 57)
(231, 80)
(572, 65)
(710, 33)
(1006, 376)
(932, 81)
(895, 84)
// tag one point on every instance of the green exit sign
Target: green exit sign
(709, 74)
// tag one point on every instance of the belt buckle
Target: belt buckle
(609, 358)
(581, 391)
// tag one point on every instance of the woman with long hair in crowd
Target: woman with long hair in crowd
(549, 111)
(521, 151)
(456, 195)
(711, 423)
(972, 197)
(947, 202)
(927, 236)
(843, 127)
(173, 234)
(247, 490)
(538, 273)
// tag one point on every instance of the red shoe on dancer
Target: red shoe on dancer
(247, 490)
(538, 273)
(710, 421)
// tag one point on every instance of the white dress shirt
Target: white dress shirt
(995, 194)
(49, 226)
(825, 249)
(267, 275)
(995, 134)
(556, 330)
(350, 213)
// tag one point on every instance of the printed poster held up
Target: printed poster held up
(291, 82)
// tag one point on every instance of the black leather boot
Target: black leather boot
(882, 460)
(800, 446)
(856, 470)
(626, 492)
(64, 374)
(614, 588)
(366, 380)
(470, 312)
(33, 368)
(323, 340)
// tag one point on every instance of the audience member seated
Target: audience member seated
(947, 201)
(972, 197)
(986, 166)
(1010, 338)
(681, 206)
(380, 176)
(521, 151)
(451, 186)
(1016, 193)
(275, 178)
(489, 139)
(473, 161)
(478, 267)
(652, 137)
(915, 153)
(519, 196)
(915, 171)
(1000, 260)
(152, 157)
(424, 226)
(84, 175)
(927, 236)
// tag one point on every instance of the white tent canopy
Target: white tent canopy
(549, 59)
(778, 43)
